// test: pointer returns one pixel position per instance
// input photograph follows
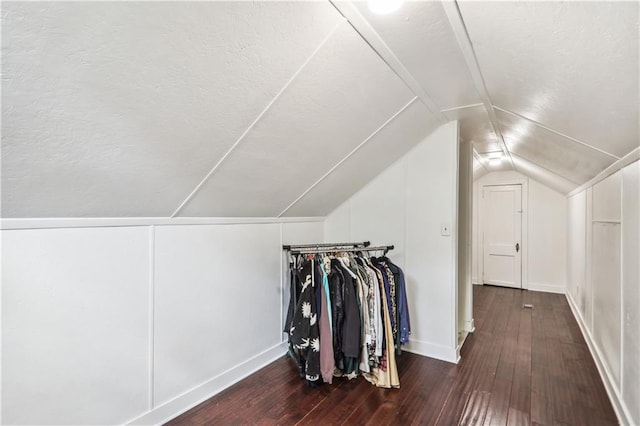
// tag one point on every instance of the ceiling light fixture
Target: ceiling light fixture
(383, 7)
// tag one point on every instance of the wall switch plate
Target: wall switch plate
(445, 230)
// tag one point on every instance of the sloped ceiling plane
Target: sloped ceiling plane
(170, 109)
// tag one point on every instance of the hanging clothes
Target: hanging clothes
(304, 333)
(327, 362)
(386, 374)
(348, 316)
(351, 325)
(336, 291)
(404, 323)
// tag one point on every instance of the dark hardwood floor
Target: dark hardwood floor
(520, 367)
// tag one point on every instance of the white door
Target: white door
(502, 232)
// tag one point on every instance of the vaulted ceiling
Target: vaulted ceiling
(287, 108)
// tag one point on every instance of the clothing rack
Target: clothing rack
(346, 316)
(327, 245)
(311, 250)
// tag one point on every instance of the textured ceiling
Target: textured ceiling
(562, 78)
(287, 108)
(420, 36)
(341, 96)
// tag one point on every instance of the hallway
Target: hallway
(520, 367)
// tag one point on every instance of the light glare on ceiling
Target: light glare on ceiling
(495, 159)
(383, 7)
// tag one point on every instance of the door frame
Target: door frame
(499, 181)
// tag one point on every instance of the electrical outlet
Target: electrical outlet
(445, 229)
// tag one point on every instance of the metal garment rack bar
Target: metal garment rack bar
(326, 245)
(310, 250)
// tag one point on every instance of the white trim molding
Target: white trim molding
(182, 403)
(151, 319)
(468, 53)
(549, 129)
(624, 417)
(525, 225)
(109, 222)
(432, 350)
(353, 151)
(631, 157)
(470, 326)
(547, 288)
(455, 232)
(365, 30)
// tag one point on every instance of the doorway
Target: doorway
(501, 209)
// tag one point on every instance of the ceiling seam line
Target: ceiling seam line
(556, 132)
(476, 155)
(443, 111)
(628, 159)
(546, 168)
(367, 139)
(350, 13)
(459, 28)
(258, 118)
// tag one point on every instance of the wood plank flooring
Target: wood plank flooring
(520, 367)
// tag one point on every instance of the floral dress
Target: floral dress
(304, 333)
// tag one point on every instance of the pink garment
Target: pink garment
(327, 362)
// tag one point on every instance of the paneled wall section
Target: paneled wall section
(75, 325)
(405, 206)
(110, 325)
(603, 276)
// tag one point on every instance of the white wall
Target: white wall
(75, 337)
(465, 212)
(544, 255)
(605, 270)
(576, 248)
(214, 285)
(405, 206)
(630, 387)
(104, 325)
(604, 288)
(547, 239)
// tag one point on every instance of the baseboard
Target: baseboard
(624, 417)
(470, 326)
(460, 345)
(432, 350)
(201, 393)
(547, 288)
